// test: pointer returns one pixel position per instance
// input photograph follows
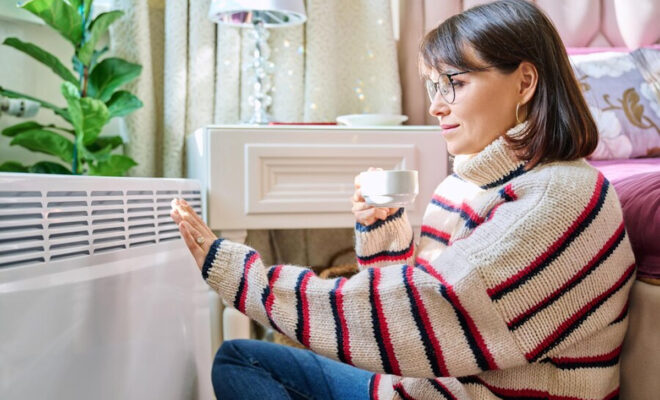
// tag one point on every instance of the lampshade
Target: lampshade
(273, 13)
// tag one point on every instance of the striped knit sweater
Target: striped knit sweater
(517, 289)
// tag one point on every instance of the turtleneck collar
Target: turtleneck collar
(494, 165)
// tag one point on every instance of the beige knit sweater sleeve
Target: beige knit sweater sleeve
(385, 242)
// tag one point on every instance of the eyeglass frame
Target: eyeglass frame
(436, 88)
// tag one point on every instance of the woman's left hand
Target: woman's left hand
(197, 235)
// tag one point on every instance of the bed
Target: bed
(637, 183)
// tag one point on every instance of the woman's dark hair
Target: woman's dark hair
(503, 34)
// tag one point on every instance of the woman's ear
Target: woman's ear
(529, 78)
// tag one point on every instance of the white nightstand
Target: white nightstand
(294, 177)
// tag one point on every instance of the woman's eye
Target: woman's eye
(458, 84)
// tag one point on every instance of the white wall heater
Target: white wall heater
(99, 297)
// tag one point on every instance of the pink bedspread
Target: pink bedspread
(637, 183)
(616, 170)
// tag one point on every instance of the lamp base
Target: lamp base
(260, 117)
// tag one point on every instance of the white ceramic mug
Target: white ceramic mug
(393, 188)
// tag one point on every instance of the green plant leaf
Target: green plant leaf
(47, 142)
(42, 56)
(100, 155)
(60, 15)
(110, 74)
(57, 110)
(14, 130)
(47, 167)
(88, 115)
(116, 165)
(98, 27)
(122, 103)
(104, 141)
(13, 166)
(95, 115)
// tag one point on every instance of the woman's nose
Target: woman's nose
(438, 107)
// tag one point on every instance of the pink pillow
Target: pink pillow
(589, 50)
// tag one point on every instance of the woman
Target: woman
(519, 283)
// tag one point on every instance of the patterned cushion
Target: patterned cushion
(623, 92)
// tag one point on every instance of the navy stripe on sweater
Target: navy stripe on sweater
(210, 256)
(242, 285)
(301, 323)
(364, 228)
(622, 315)
(267, 295)
(420, 315)
(516, 172)
(340, 324)
(482, 355)
(471, 219)
(600, 361)
(381, 332)
(591, 266)
(557, 248)
(570, 325)
(442, 389)
(386, 255)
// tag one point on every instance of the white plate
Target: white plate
(371, 119)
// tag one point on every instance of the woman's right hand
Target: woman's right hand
(364, 213)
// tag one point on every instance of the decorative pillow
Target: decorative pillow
(625, 105)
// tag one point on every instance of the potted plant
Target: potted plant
(92, 93)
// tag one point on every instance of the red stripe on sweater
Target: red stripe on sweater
(375, 386)
(523, 393)
(550, 250)
(435, 232)
(575, 277)
(476, 218)
(246, 271)
(388, 257)
(508, 189)
(452, 397)
(440, 359)
(603, 357)
(623, 312)
(402, 391)
(305, 309)
(346, 348)
(271, 296)
(474, 331)
(614, 394)
(579, 314)
(385, 333)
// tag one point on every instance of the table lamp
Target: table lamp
(259, 14)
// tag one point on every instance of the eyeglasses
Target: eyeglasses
(445, 85)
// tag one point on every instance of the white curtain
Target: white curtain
(342, 61)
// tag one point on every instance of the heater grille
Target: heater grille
(38, 226)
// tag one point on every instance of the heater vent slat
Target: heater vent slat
(77, 193)
(12, 207)
(51, 218)
(11, 247)
(19, 218)
(19, 194)
(109, 193)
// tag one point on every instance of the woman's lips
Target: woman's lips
(446, 128)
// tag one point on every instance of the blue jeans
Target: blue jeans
(252, 369)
